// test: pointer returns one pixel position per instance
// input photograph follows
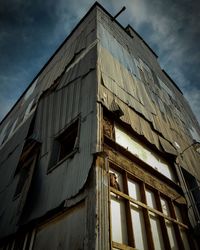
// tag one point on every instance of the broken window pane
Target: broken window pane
(116, 180)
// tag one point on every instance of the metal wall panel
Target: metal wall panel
(59, 108)
(64, 232)
(73, 67)
(150, 93)
(9, 156)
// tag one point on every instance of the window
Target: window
(142, 217)
(66, 144)
(192, 192)
(25, 169)
(142, 152)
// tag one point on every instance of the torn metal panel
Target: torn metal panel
(117, 50)
(139, 124)
(146, 130)
(59, 108)
(80, 66)
(10, 155)
(74, 45)
(167, 146)
(125, 86)
(154, 98)
(125, 97)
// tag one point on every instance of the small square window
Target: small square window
(66, 144)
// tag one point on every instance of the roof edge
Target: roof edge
(172, 81)
(49, 60)
(130, 27)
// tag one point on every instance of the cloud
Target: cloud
(193, 97)
(30, 32)
(172, 29)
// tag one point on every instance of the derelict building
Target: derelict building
(100, 150)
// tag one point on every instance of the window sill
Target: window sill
(70, 155)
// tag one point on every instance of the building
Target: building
(99, 152)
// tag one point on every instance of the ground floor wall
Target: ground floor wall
(70, 226)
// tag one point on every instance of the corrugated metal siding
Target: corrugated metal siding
(65, 232)
(9, 156)
(77, 43)
(161, 113)
(74, 66)
(59, 108)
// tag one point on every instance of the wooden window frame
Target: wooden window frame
(146, 209)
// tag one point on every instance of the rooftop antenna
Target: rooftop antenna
(123, 9)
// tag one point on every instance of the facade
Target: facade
(99, 152)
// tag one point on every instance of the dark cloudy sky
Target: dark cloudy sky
(31, 30)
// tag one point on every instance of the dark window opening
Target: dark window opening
(23, 172)
(68, 141)
(25, 168)
(193, 190)
(66, 144)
